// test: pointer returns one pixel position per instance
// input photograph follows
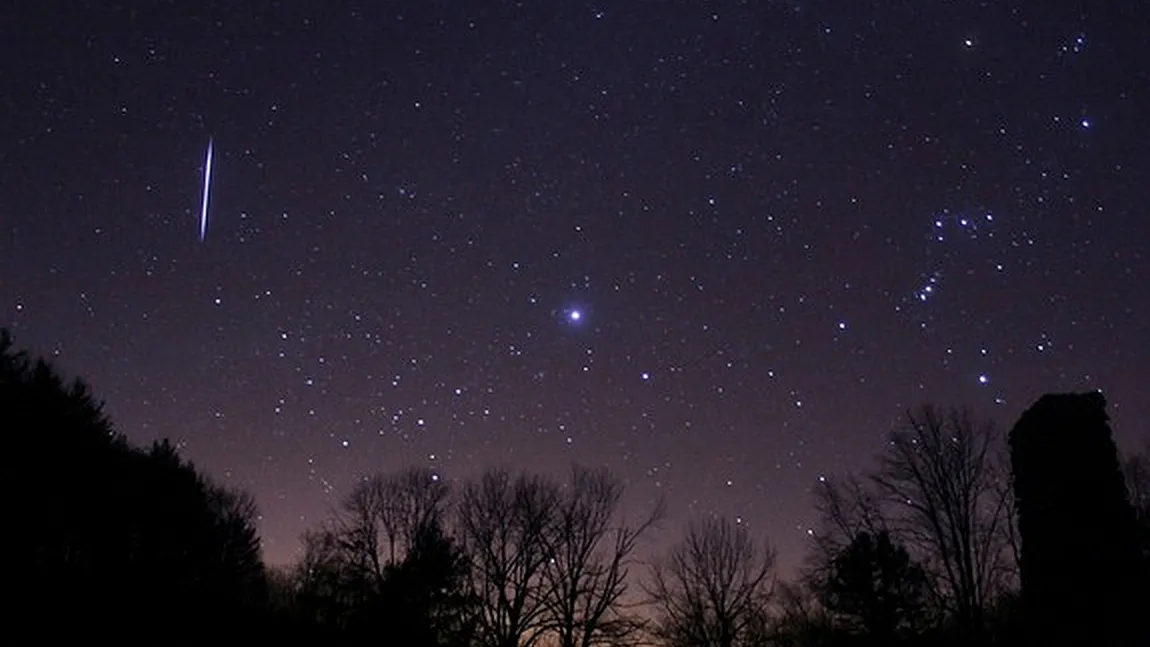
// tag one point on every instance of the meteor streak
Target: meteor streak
(207, 192)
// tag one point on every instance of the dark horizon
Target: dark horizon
(960, 535)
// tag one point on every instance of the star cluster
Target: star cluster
(718, 247)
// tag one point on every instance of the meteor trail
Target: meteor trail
(207, 192)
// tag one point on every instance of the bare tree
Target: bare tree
(846, 507)
(356, 531)
(713, 588)
(318, 560)
(590, 556)
(317, 583)
(415, 501)
(505, 523)
(382, 517)
(940, 479)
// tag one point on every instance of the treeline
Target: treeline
(104, 538)
(961, 535)
(508, 559)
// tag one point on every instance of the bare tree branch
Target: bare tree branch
(846, 507)
(713, 588)
(318, 581)
(382, 516)
(504, 522)
(589, 562)
(939, 478)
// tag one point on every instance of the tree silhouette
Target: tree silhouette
(506, 524)
(106, 527)
(713, 587)
(319, 590)
(353, 565)
(423, 601)
(942, 488)
(289, 617)
(528, 560)
(1136, 469)
(589, 561)
(54, 428)
(846, 508)
(876, 588)
(1081, 563)
(1006, 624)
(239, 567)
(196, 547)
(380, 520)
(801, 619)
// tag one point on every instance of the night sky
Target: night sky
(718, 246)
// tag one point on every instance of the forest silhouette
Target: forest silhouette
(961, 535)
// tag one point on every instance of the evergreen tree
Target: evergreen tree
(424, 597)
(119, 541)
(876, 587)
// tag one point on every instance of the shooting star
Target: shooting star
(207, 192)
